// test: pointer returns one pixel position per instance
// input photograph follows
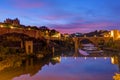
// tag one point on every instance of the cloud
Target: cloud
(86, 26)
(27, 4)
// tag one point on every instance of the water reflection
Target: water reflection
(11, 69)
(62, 68)
(116, 60)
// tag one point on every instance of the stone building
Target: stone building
(14, 22)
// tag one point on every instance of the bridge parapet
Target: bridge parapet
(55, 38)
(94, 40)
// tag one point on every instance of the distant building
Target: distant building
(66, 35)
(56, 35)
(14, 22)
(115, 34)
(77, 34)
(106, 34)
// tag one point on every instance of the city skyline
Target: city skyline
(66, 16)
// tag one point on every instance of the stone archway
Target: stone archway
(85, 41)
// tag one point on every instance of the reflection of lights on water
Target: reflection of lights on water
(65, 57)
(105, 57)
(85, 58)
(75, 58)
(112, 33)
(60, 59)
(94, 57)
(112, 60)
(116, 76)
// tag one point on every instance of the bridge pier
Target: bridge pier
(29, 47)
(48, 41)
(76, 44)
(22, 45)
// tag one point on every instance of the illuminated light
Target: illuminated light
(119, 36)
(105, 57)
(112, 60)
(112, 33)
(12, 27)
(94, 35)
(60, 59)
(85, 58)
(29, 28)
(95, 58)
(57, 35)
(75, 58)
(117, 76)
(107, 35)
(1, 26)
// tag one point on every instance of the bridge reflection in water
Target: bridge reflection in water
(29, 66)
(37, 69)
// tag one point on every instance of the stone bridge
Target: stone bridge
(94, 40)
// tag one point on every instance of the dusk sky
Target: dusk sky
(66, 16)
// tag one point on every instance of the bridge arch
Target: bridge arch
(94, 40)
(85, 41)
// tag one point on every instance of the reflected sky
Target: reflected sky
(78, 68)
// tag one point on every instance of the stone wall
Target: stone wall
(30, 33)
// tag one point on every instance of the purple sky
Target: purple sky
(66, 16)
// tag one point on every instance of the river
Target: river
(64, 68)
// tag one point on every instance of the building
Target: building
(56, 35)
(14, 22)
(115, 34)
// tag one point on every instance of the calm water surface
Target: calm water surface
(67, 68)
(60, 68)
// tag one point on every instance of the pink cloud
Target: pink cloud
(55, 17)
(86, 27)
(28, 4)
(63, 16)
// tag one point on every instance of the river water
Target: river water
(64, 68)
